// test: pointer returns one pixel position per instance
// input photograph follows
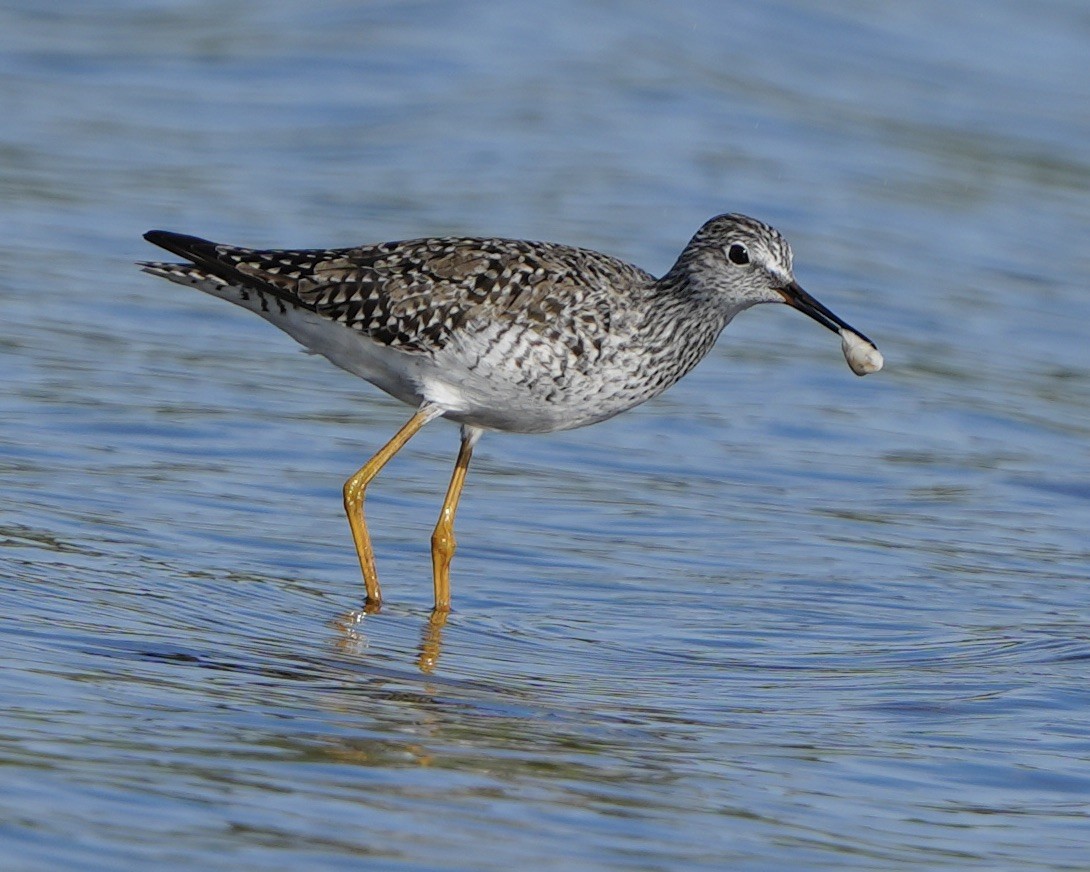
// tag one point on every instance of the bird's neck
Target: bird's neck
(683, 297)
(679, 327)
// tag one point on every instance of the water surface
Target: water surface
(781, 617)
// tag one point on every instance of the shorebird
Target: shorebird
(502, 334)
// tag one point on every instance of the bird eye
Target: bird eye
(738, 254)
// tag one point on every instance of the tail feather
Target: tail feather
(190, 247)
(215, 265)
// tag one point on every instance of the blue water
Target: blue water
(779, 618)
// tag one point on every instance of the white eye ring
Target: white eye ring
(738, 254)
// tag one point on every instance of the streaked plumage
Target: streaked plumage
(500, 334)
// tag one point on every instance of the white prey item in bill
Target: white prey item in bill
(861, 355)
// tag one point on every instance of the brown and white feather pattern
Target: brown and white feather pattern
(415, 295)
(419, 295)
(502, 334)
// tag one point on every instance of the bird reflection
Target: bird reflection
(353, 641)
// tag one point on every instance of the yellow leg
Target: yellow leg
(354, 490)
(442, 540)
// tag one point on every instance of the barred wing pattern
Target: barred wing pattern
(417, 295)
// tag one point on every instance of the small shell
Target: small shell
(862, 357)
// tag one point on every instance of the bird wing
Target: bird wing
(415, 295)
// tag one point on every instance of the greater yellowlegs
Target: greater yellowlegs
(502, 334)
